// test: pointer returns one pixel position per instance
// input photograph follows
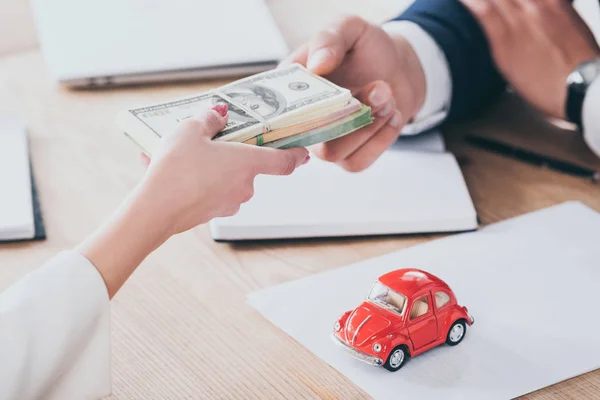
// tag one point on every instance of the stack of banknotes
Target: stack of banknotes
(281, 108)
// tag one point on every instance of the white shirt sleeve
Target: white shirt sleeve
(437, 76)
(591, 117)
(55, 333)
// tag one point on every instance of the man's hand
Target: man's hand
(381, 71)
(536, 44)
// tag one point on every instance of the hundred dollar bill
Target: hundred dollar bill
(261, 103)
(146, 125)
(286, 96)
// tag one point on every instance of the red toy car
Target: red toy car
(406, 312)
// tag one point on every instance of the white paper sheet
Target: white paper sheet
(530, 282)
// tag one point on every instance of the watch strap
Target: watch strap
(574, 106)
(578, 83)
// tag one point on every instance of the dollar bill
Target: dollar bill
(277, 99)
(146, 125)
(278, 94)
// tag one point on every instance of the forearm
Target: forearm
(54, 323)
(120, 246)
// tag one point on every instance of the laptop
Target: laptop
(121, 42)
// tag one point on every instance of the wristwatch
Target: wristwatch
(578, 83)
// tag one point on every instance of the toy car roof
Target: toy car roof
(409, 281)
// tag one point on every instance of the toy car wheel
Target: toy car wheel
(456, 333)
(396, 359)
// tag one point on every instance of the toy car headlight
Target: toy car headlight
(376, 347)
(337, 326)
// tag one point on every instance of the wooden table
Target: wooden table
(181, 327)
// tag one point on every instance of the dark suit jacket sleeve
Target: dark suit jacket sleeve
(475, 80)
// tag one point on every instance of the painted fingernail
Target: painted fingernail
(378, 96)
(318, 58)
(221, 108)
(396, 120)
(385, 111)
(307, 159)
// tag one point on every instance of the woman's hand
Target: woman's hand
(190, 180)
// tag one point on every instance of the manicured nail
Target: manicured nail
(221, 108)
(396, 120)
(318, 58)
(378, 96)
(145, 159)
(385, 111)
(307, 159)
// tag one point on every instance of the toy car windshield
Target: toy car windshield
(385, 297)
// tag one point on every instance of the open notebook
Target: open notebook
(415, 187)
(20, 217)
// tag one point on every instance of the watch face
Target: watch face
(589, 70)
